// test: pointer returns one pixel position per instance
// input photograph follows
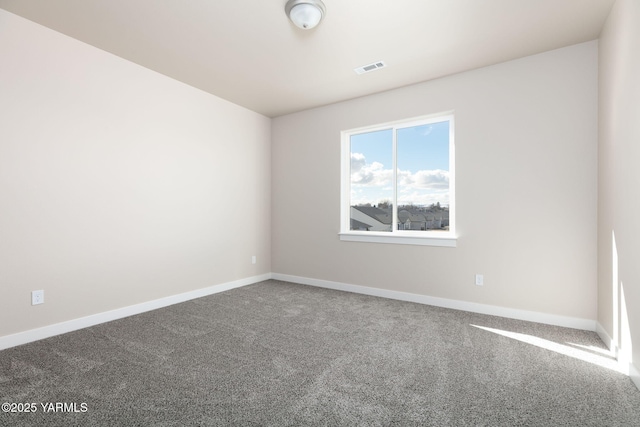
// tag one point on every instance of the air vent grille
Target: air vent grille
(370, 67)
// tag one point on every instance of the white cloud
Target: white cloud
(372, 181)
(427, 131)
(425, 179)
(371, 174)
(357, 162)
(375, 174)
(424, 198)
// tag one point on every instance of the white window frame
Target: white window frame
(395, 236)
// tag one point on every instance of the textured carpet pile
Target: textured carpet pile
(281, 354)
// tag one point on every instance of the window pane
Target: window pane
(371, 181)
(423, 177)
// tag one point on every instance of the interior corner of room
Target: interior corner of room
(123, 190)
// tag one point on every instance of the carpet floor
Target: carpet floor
(282, 354)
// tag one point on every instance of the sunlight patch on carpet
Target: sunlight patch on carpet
(607, 362)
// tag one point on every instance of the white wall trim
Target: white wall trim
(25, 337)
(634, 374)
(397, 238)
(107, 316)
(607, 340)
(531, 316)
(626, 367)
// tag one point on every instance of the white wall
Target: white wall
(118, 185)
(619, 182)
(526, 141)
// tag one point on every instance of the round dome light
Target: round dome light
(305, 14)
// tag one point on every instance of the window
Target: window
(398, 182)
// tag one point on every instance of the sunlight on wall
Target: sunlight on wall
(621, 329)
(614, 289)
(625, 354)
(606, 360)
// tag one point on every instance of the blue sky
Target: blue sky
(423, 165)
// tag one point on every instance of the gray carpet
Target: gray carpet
(281, 354)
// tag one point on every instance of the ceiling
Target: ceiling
(248, 52)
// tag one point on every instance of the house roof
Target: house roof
(383, 216)
(356, 225)
(414, 215)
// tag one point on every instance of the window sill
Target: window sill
(399, 238)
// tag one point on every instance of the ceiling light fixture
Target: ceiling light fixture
(305, 14)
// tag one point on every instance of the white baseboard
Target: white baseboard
(532, 316)
(625, 365)
(634, 374)
(107, 316)
(607, 340)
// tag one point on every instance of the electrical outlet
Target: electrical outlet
(479, 279)
(253, 259)
(37, 297)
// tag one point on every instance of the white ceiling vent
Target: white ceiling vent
(370, 67)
